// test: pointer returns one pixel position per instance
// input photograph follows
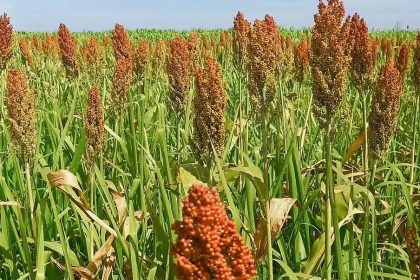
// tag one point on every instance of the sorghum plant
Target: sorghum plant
(178, 69)
(21, 112)
(362, 56)
(68, 48)
(385, 107)
(241, 29)
(142, 58)
(208, 245)
(25, 50)
(209, 110)
(194, 50)
(6, 40)
(329, 62)
(263, 51)
(95, 132)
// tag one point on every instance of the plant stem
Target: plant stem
(31, 196)
(367, 181)
(267, 197)
(413, 149)
(331, 197)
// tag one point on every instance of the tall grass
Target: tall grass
(68, 216)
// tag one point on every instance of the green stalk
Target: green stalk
(330, 187)
(267, 198)
(133, 136)
(413, 149)
(31, 196)
(366, 243)
(63, 239)
(367, 206)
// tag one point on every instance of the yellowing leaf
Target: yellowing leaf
(279, 210)
(358, 142)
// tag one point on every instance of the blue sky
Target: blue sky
(97, 15)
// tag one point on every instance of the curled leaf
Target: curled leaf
(279, 210)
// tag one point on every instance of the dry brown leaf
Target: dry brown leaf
(99, 256)
(121, 203)
(108, 264)
(279, 210)
(63, 178)
(80, 271)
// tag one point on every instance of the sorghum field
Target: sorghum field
(250, 153)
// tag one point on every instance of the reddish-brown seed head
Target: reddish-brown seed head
(178, 69)
(403, 59)
(50, 46)
(385, 107)
(35, 44)
(6, 40)
(263, 51)
(363, 60)
(93, 57)
(301, 59)
(142, 58)
(241, 29)
(415, 72)
(95, 136)
(123, 47)
(121, 82)
(25, 50)
(21, 112)
(194, 50)
(329, 59)
(208, 245)
(68, 48)
(209, 110)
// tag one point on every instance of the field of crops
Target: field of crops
(250, 153)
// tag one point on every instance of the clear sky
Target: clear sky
(98, 15)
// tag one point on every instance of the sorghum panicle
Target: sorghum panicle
(415, 72)
(385, 107)
(413, 251)
(263, 51)
(329, 59)
(142, 58)
(241, 29)
(50, 46)
(21, 112)
(403, 59)
(6, 40)
(25, 50)
(35, 44)
(68, 48)
(208, 245)
(387, 48)
(92, 56)
(209, 110)
(121, 82)
(178, 68)
(362, 62)
(194, 50)
(301, 59)
(123, 47)
(95, 124)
